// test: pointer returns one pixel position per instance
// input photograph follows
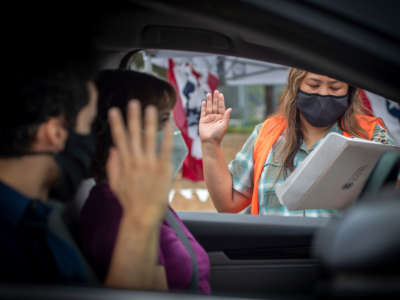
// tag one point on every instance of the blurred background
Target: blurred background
(251, 88)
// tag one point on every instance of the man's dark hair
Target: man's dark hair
(52, 61)
(116, 88)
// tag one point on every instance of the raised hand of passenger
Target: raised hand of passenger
(140, 179)
(214, 118)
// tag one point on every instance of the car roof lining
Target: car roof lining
(153, 24)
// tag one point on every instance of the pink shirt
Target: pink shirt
(99, 223)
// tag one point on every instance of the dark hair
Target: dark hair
(51, 62)
(116, 88)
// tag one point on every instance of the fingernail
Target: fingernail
(112, 111)
(133, 103)
(151, 109)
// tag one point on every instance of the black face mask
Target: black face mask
(321, 110)
(74, 163)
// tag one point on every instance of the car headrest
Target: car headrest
(366, 239)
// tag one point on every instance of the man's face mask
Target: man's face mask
(179, 150)
(74, 163)
(321, 110)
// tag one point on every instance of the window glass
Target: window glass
(251, 88)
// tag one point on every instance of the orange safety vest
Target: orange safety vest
(269, 133)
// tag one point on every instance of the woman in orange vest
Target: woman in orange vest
(310, 106)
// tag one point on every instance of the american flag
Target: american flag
(192, 86)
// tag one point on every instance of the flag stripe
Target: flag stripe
(192, 168)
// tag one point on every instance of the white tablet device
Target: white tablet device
(332, 175)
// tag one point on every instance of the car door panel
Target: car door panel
(257, 254)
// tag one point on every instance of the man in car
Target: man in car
(46, 150)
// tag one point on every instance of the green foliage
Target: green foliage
(160, 71)
(137, 61)
(241, 129)
(244, 128)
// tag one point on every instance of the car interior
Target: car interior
(273, 257)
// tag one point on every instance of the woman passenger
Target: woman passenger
(101, 213)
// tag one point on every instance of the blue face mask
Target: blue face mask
(179, 150)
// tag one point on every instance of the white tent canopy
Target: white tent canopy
(237, 71)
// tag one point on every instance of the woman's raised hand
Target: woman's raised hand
(214, 118)
(137, 175)
(141, 181)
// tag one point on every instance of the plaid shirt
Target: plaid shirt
(242, 167)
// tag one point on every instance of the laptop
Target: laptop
(333, 175)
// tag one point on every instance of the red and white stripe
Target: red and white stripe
(191, 86)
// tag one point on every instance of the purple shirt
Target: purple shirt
(99, 223)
